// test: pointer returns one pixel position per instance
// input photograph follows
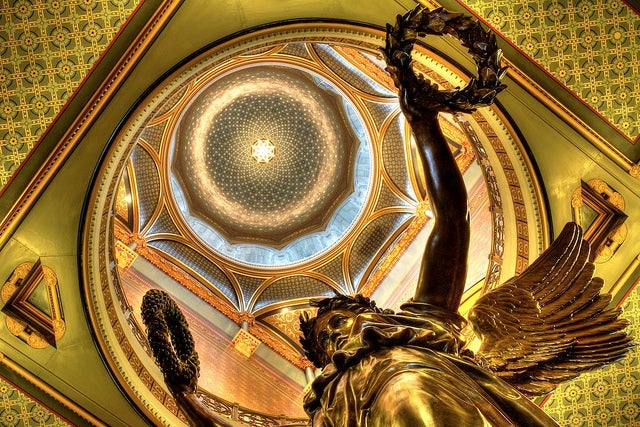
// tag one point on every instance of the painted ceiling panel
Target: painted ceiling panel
(589, 46)
(46, 50)
(17, 407)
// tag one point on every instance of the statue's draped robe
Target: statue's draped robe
(408, 370)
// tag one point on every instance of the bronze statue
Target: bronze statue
(412, 368)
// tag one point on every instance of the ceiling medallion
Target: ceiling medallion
(285, 212)
(263, 151)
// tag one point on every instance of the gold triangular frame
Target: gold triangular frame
(26, 321)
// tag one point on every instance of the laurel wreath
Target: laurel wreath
(170, 340)
(419, 22)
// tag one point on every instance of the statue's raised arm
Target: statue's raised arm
(443, 272)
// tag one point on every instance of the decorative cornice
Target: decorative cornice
(91, 111)
(573, 120)
(59, 397)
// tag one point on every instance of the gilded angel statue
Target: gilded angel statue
(413, 368)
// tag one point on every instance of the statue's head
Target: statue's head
(329, 330)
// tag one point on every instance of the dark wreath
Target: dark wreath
(480, 91)
(170, 340)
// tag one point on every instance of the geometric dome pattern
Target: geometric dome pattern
(264, 212)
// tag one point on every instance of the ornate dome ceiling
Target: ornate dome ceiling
(265, 212)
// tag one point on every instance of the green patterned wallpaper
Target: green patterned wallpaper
(608, 396)
(20, 409)
(46, 49)
(590, 46)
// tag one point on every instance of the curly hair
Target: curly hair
(356, 304)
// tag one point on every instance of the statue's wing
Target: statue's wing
(550, 323)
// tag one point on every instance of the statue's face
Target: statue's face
(333, 328)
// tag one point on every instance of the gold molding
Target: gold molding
(573, 120)
(606, 232)
(59, 397)
(618, 286)
(124, 255)
(245, 343)
(37, 327)
(81, 125)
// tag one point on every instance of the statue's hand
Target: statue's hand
(184, 387)
(419, 97)
(419, 101)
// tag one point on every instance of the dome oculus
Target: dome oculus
(256, 214)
